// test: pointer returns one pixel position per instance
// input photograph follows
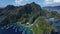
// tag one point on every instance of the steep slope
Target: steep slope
(29, 13)
(12, 14)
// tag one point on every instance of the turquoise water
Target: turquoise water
(14, 29)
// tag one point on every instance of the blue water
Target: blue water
(13, 29)
(56, 25)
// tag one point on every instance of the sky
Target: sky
(42, 3)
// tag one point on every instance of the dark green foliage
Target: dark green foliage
(30, 13)
(42, 26)
(27, 13)
(54, 13)
(22, 13)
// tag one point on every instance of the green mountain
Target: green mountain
(24, 14)
(27, 13)
(12, 14)
(31, 13)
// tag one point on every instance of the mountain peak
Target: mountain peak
(10, 7)
(33, 3)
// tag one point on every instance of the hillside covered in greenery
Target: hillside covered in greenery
(30, 13)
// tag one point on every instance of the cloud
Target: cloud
(51, 1)
(57, 1)
(20, 2)
(48, 1)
